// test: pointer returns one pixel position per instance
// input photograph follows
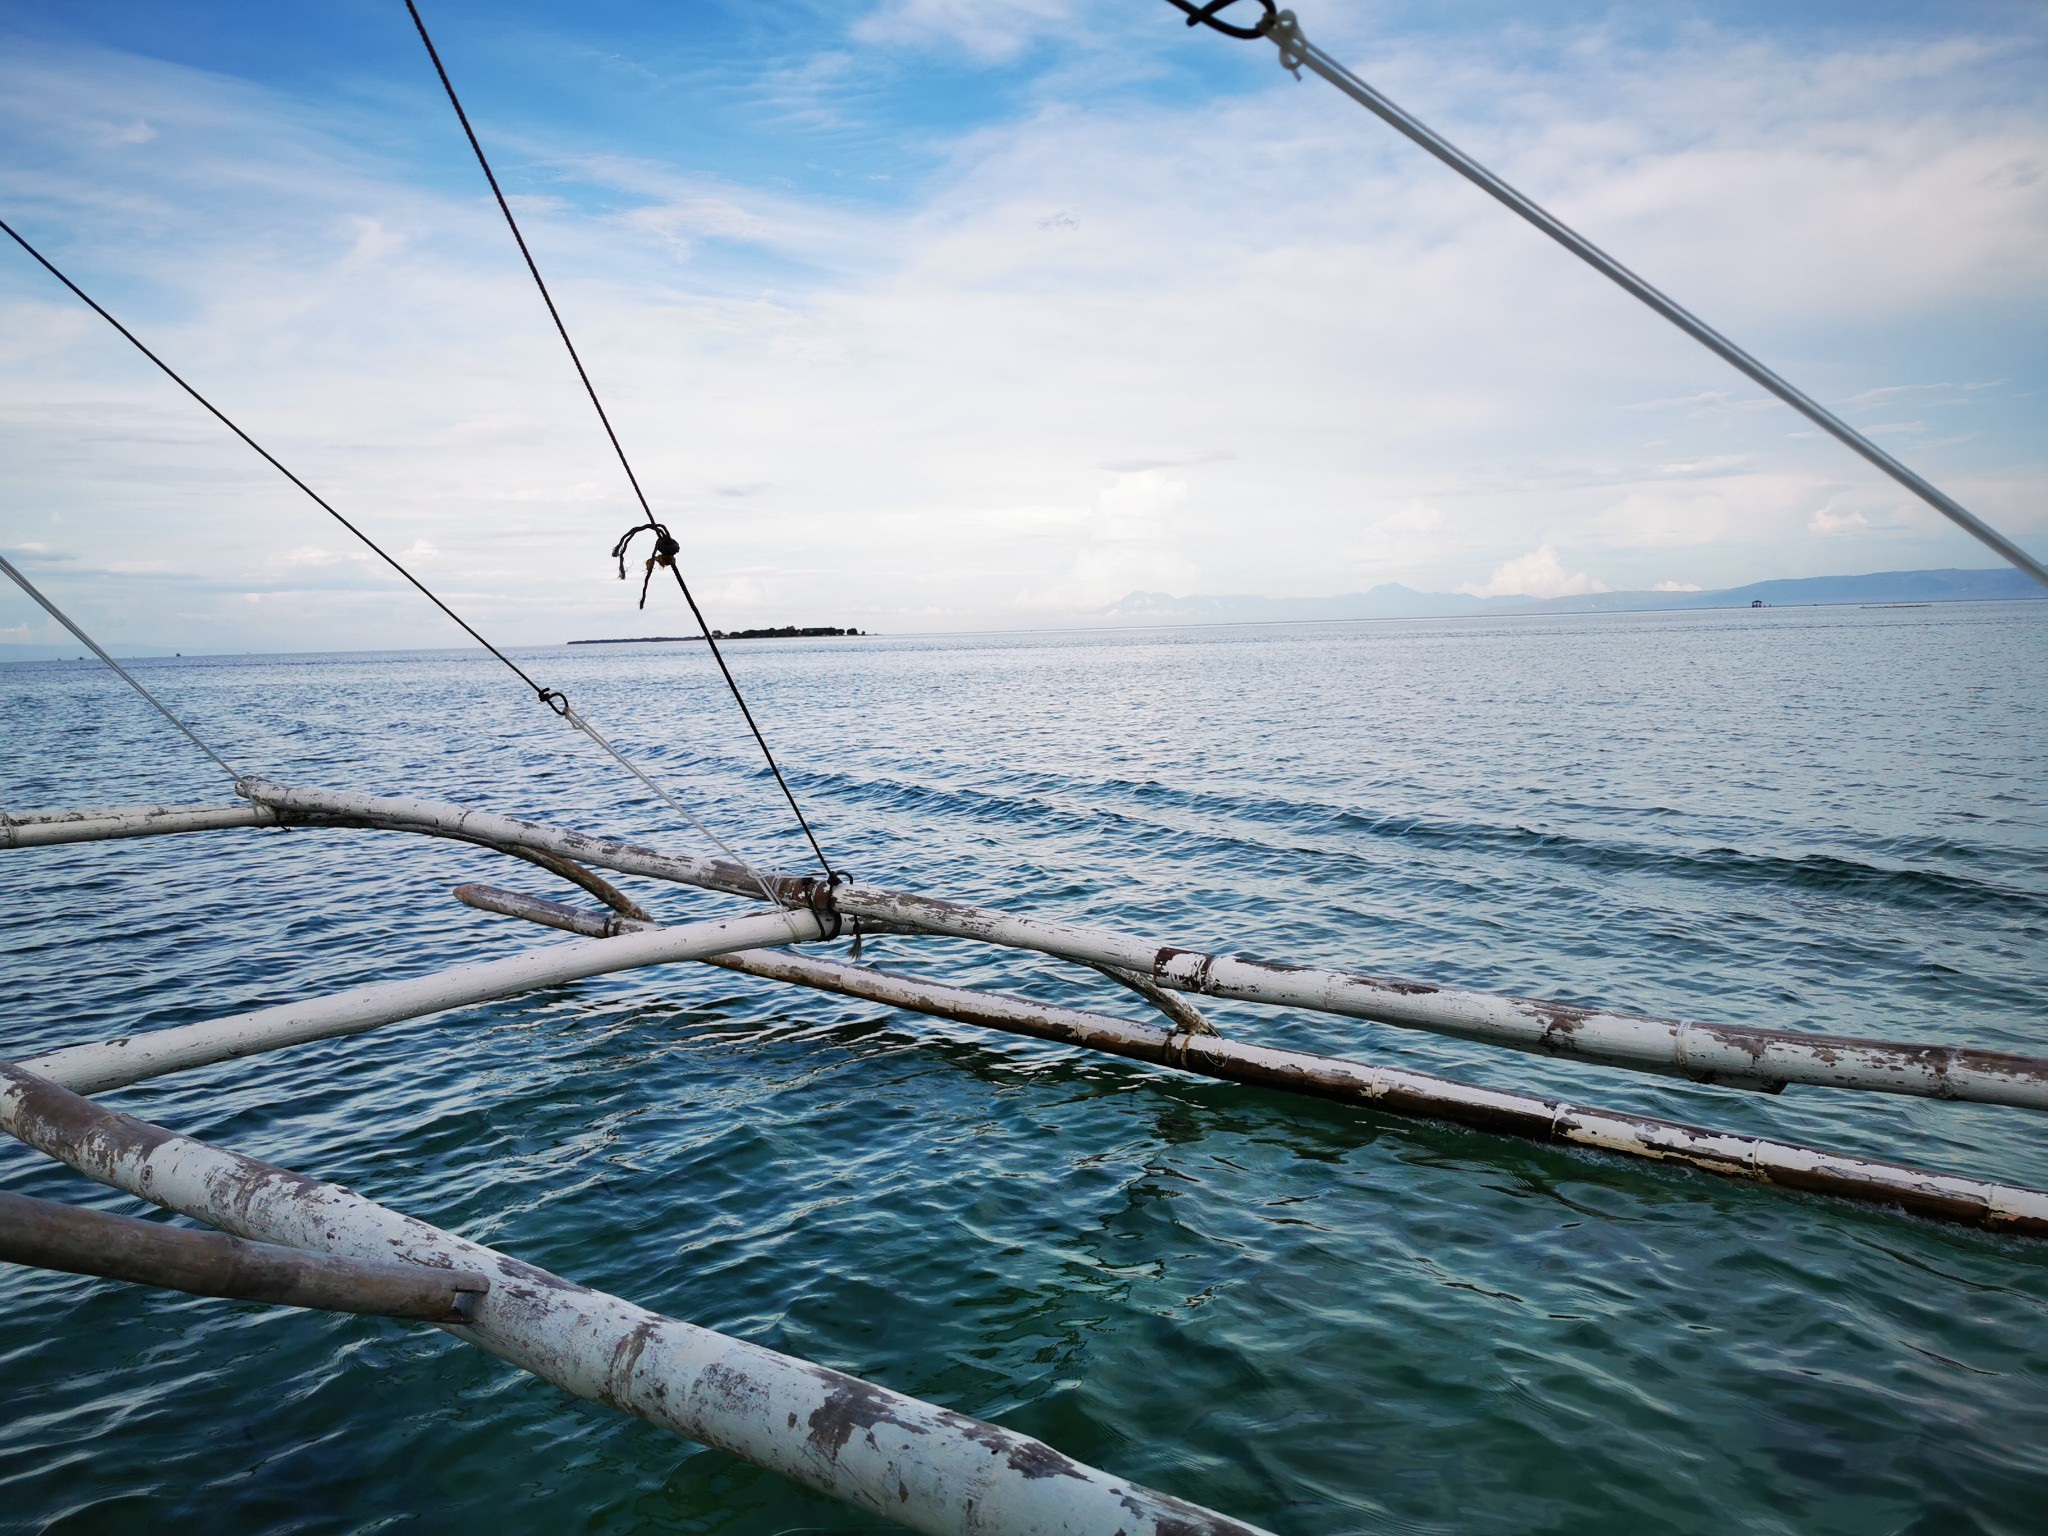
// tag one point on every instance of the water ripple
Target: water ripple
(1324, 1320)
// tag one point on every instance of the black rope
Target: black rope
(661, 533)
(546, 695)
(665, 551)
(553, 698)
(1207, 15)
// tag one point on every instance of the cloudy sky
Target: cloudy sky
(932, 314)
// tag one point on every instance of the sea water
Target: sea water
(1317, 1318)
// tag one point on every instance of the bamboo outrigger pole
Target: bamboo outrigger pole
(133, 1058)
(1730, 1055)
(619, 939)
(619, 943)
(908, 1461)
(48, 1235)
(1415, 1095)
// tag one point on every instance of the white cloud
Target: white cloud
(1714, 464)
(374, 241)
(1828, 523)
(1130, 539)
(992, 33)
(690, 219)
(1536, 574)
(1161, 340)
(1676, 586)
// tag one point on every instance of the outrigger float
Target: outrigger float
(312, 1244)
(285, 1238)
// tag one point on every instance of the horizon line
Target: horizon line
(115, 647)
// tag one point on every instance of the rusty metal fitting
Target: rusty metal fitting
(820, 898)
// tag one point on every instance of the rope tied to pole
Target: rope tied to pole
(1297, 53)
(665, 546)
(665, 551)
(122, 672)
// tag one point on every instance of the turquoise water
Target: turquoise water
(1319, 1319)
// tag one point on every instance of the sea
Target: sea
(1317, 1318)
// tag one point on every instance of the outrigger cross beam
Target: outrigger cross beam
(292, 1240)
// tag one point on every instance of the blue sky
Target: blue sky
(925, 314)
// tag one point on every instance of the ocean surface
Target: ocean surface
(1320, 1319)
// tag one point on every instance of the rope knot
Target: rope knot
(1208, 15)
(665, 551)
(820, 898)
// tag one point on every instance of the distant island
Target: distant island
(785, 632)
(1876, 589)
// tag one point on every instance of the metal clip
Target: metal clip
(1286, 34)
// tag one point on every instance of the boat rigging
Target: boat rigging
(313, 1244)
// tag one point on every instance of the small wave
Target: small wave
(1053, 803)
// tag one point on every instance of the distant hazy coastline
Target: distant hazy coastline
(1391, 601)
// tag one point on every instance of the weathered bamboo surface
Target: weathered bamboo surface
(549, 914)
(1703, 1052)
(320, 807)
(908, 1461)
(1754, 1058)
(46, 829)
(114, 1063)
(48, 1235)
(1712, 1053)
(1939, 1196)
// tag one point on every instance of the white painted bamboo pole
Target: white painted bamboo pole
(116, 1063)
(1939, 1196)
(549, 914)
(1945, 1197)
(908, 1461)
(1711, 1053)
(404, 814)
(44, 829)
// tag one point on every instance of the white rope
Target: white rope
(569, 714)
(1297, 53)
(552, 698)
(126, 676)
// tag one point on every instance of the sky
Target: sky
(942, 314)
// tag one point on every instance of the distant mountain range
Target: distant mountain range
(1394, 601)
